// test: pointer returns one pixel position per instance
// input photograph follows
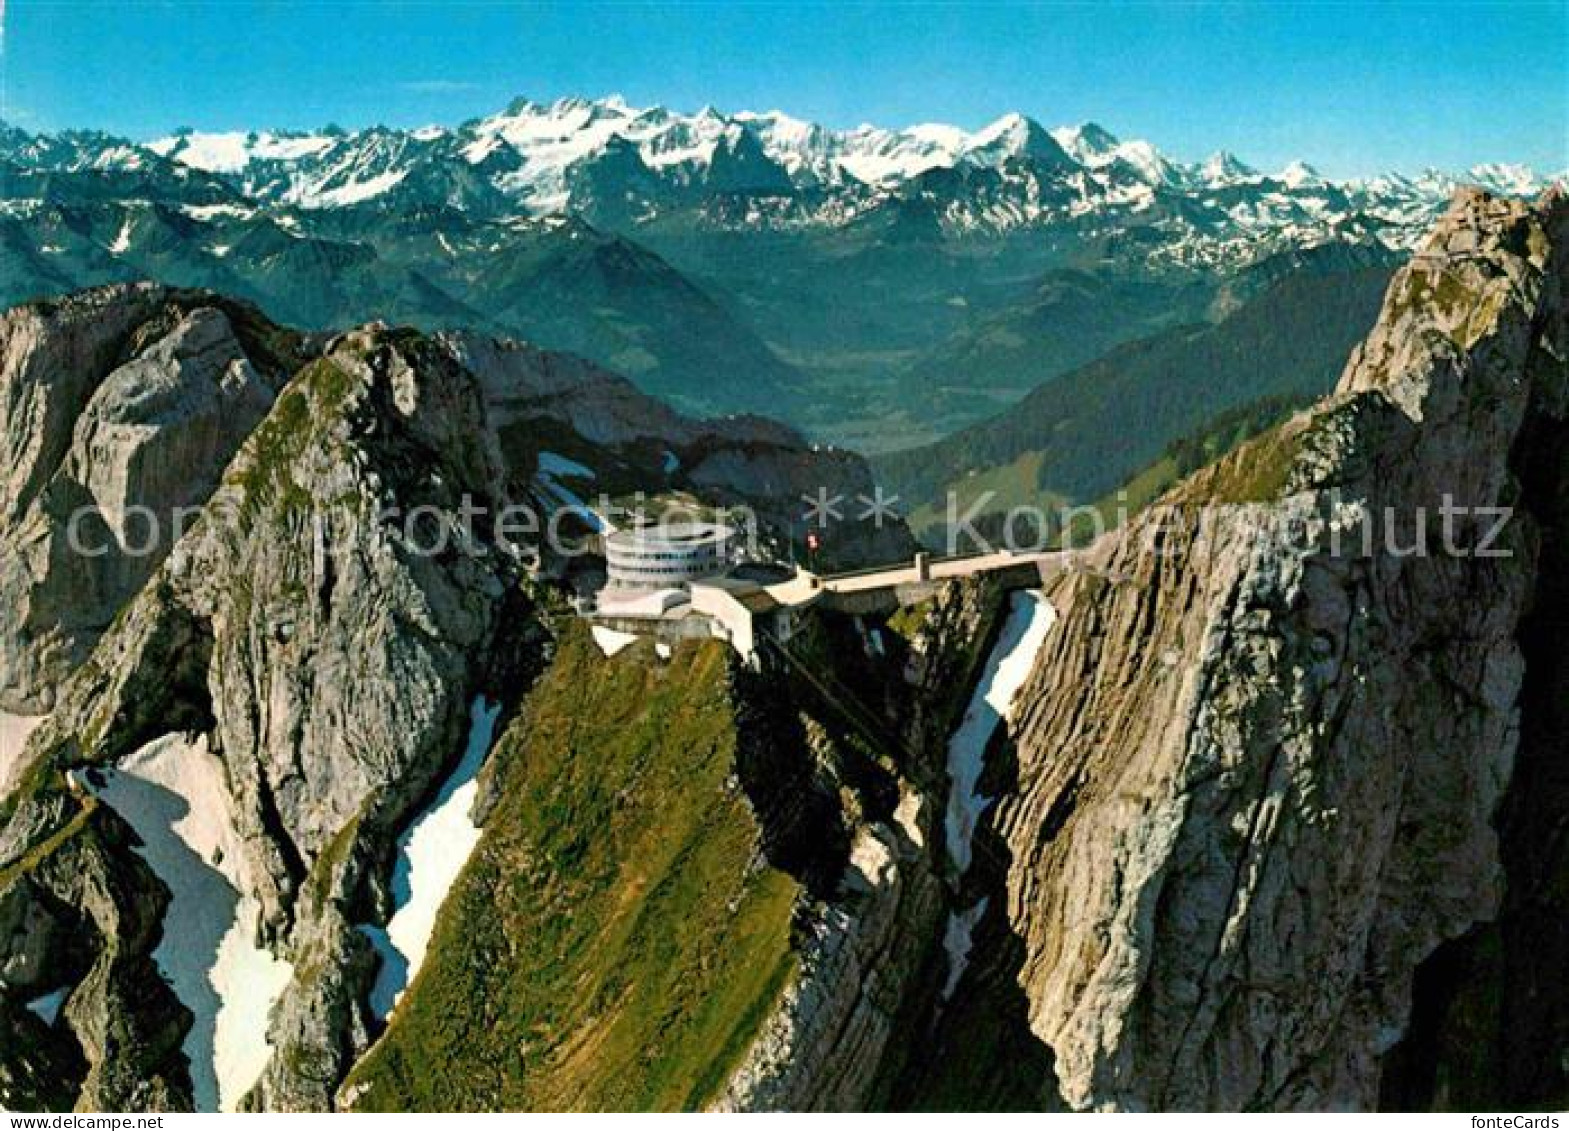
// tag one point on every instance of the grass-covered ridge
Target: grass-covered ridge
(616, 940)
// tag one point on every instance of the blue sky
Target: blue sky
(1353, 88)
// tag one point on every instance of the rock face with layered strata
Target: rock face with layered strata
(824, 1044)
(118, 408)
(306, 624)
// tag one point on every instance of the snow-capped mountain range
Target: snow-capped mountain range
(606, 159)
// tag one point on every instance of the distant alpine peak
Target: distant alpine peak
(1097, 148)
(1015, 137)
(1224, 168)
(548, 138)
(1299, 174)
(1086, 143)
(1012, 127)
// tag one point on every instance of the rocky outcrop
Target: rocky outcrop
(347, 657)
(119, 408)
(538, 399)
(1261, 753)
(1490, 1021)
(324, 618)
(313, 625)
(870, 955)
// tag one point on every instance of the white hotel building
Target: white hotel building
(674, 581)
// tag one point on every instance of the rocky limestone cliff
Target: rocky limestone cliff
(121, 407)
(863, 958)
(871, 958)
(1259, 762)
(118, 407)
(1247, 808)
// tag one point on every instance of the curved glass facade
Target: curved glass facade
(662, 557)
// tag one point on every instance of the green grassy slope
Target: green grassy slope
(616, 940)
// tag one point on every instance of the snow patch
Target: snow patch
(610, 641)
(172, 792)
(431, 853)
(551, 469)
(206, 212)
(232, 152)
(477, 150)
(552, 464)
(271, 147)
(354, 192)
(47, 1008)
(210, 152)
(122, 241)
(957, 939)
(1030, 617)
